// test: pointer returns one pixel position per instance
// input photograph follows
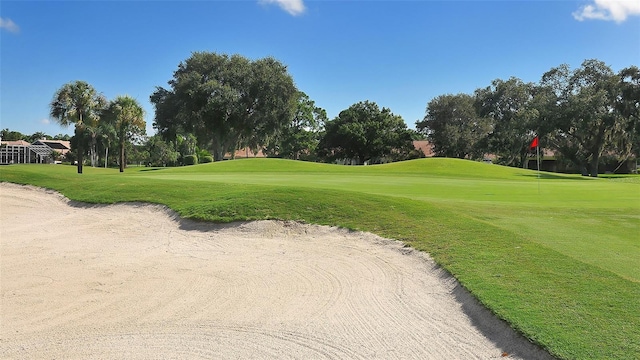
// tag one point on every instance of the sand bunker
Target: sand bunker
(132, 281)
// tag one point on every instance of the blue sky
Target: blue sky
(400, 54)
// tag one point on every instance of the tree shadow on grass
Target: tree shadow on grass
(550, 176)
(154, 169)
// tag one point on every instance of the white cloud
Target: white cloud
(616, 10)
(9, 25)
(293, 7)
(45, 121)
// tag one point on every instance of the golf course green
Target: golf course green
(557, 256)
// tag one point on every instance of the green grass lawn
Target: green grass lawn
(556, 256)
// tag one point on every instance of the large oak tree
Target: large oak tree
(581, 106)
(507, 106)
(228, 102)
(365, 132)
(627, 140)
(299, 139)
(453, 127)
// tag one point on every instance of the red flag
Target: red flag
(534, 143)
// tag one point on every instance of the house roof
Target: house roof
(16, 143)
(425, 146)
(42, 150)
(245, 153)
(55, 144)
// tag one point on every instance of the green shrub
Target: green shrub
(206, 159)
(190, 160)
(202, 153)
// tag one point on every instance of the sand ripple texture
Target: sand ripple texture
(132, 281)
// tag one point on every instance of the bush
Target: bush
(202, 153)
(206, 159)
(190, 160)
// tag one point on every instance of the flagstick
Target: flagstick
(538, 161)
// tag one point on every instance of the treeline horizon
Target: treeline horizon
(216, 104)
(582, 115)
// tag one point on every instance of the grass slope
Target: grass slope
(558, 257)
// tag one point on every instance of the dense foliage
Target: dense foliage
(453, 127)
(99, 124)
(585, 109)
(299, 139)
(126, 117)
(160, 153)
(367, 134)
(80, 104)
(588, 119)
(227, 102)
(190, 160)
(581, 115)
(12, 135)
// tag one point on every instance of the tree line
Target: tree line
(581, 115)
(231, 102)
(12, 135)
(215, 104)
(97, 121)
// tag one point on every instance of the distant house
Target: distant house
(422, 145)
(245, 153)
(553, 161)
(41, 151)
(61, 146)
(548, 161)
(15, 152)
(425, 146)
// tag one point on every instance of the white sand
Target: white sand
(132, 281)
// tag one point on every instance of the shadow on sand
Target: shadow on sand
(496, 330)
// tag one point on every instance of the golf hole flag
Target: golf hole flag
(534, 145)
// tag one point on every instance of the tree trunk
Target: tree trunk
(218, 153)
(121, 156)
(218, 148)
(583, 170)
(106, 157)
(92, 150)
(80, 150)
(80, 157)
(593, 165)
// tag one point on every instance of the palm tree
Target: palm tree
(127, 117)
(93, 132)
(107, 136)
(80, 104)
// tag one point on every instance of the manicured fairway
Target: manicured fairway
(558, 257)
(589, 219)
